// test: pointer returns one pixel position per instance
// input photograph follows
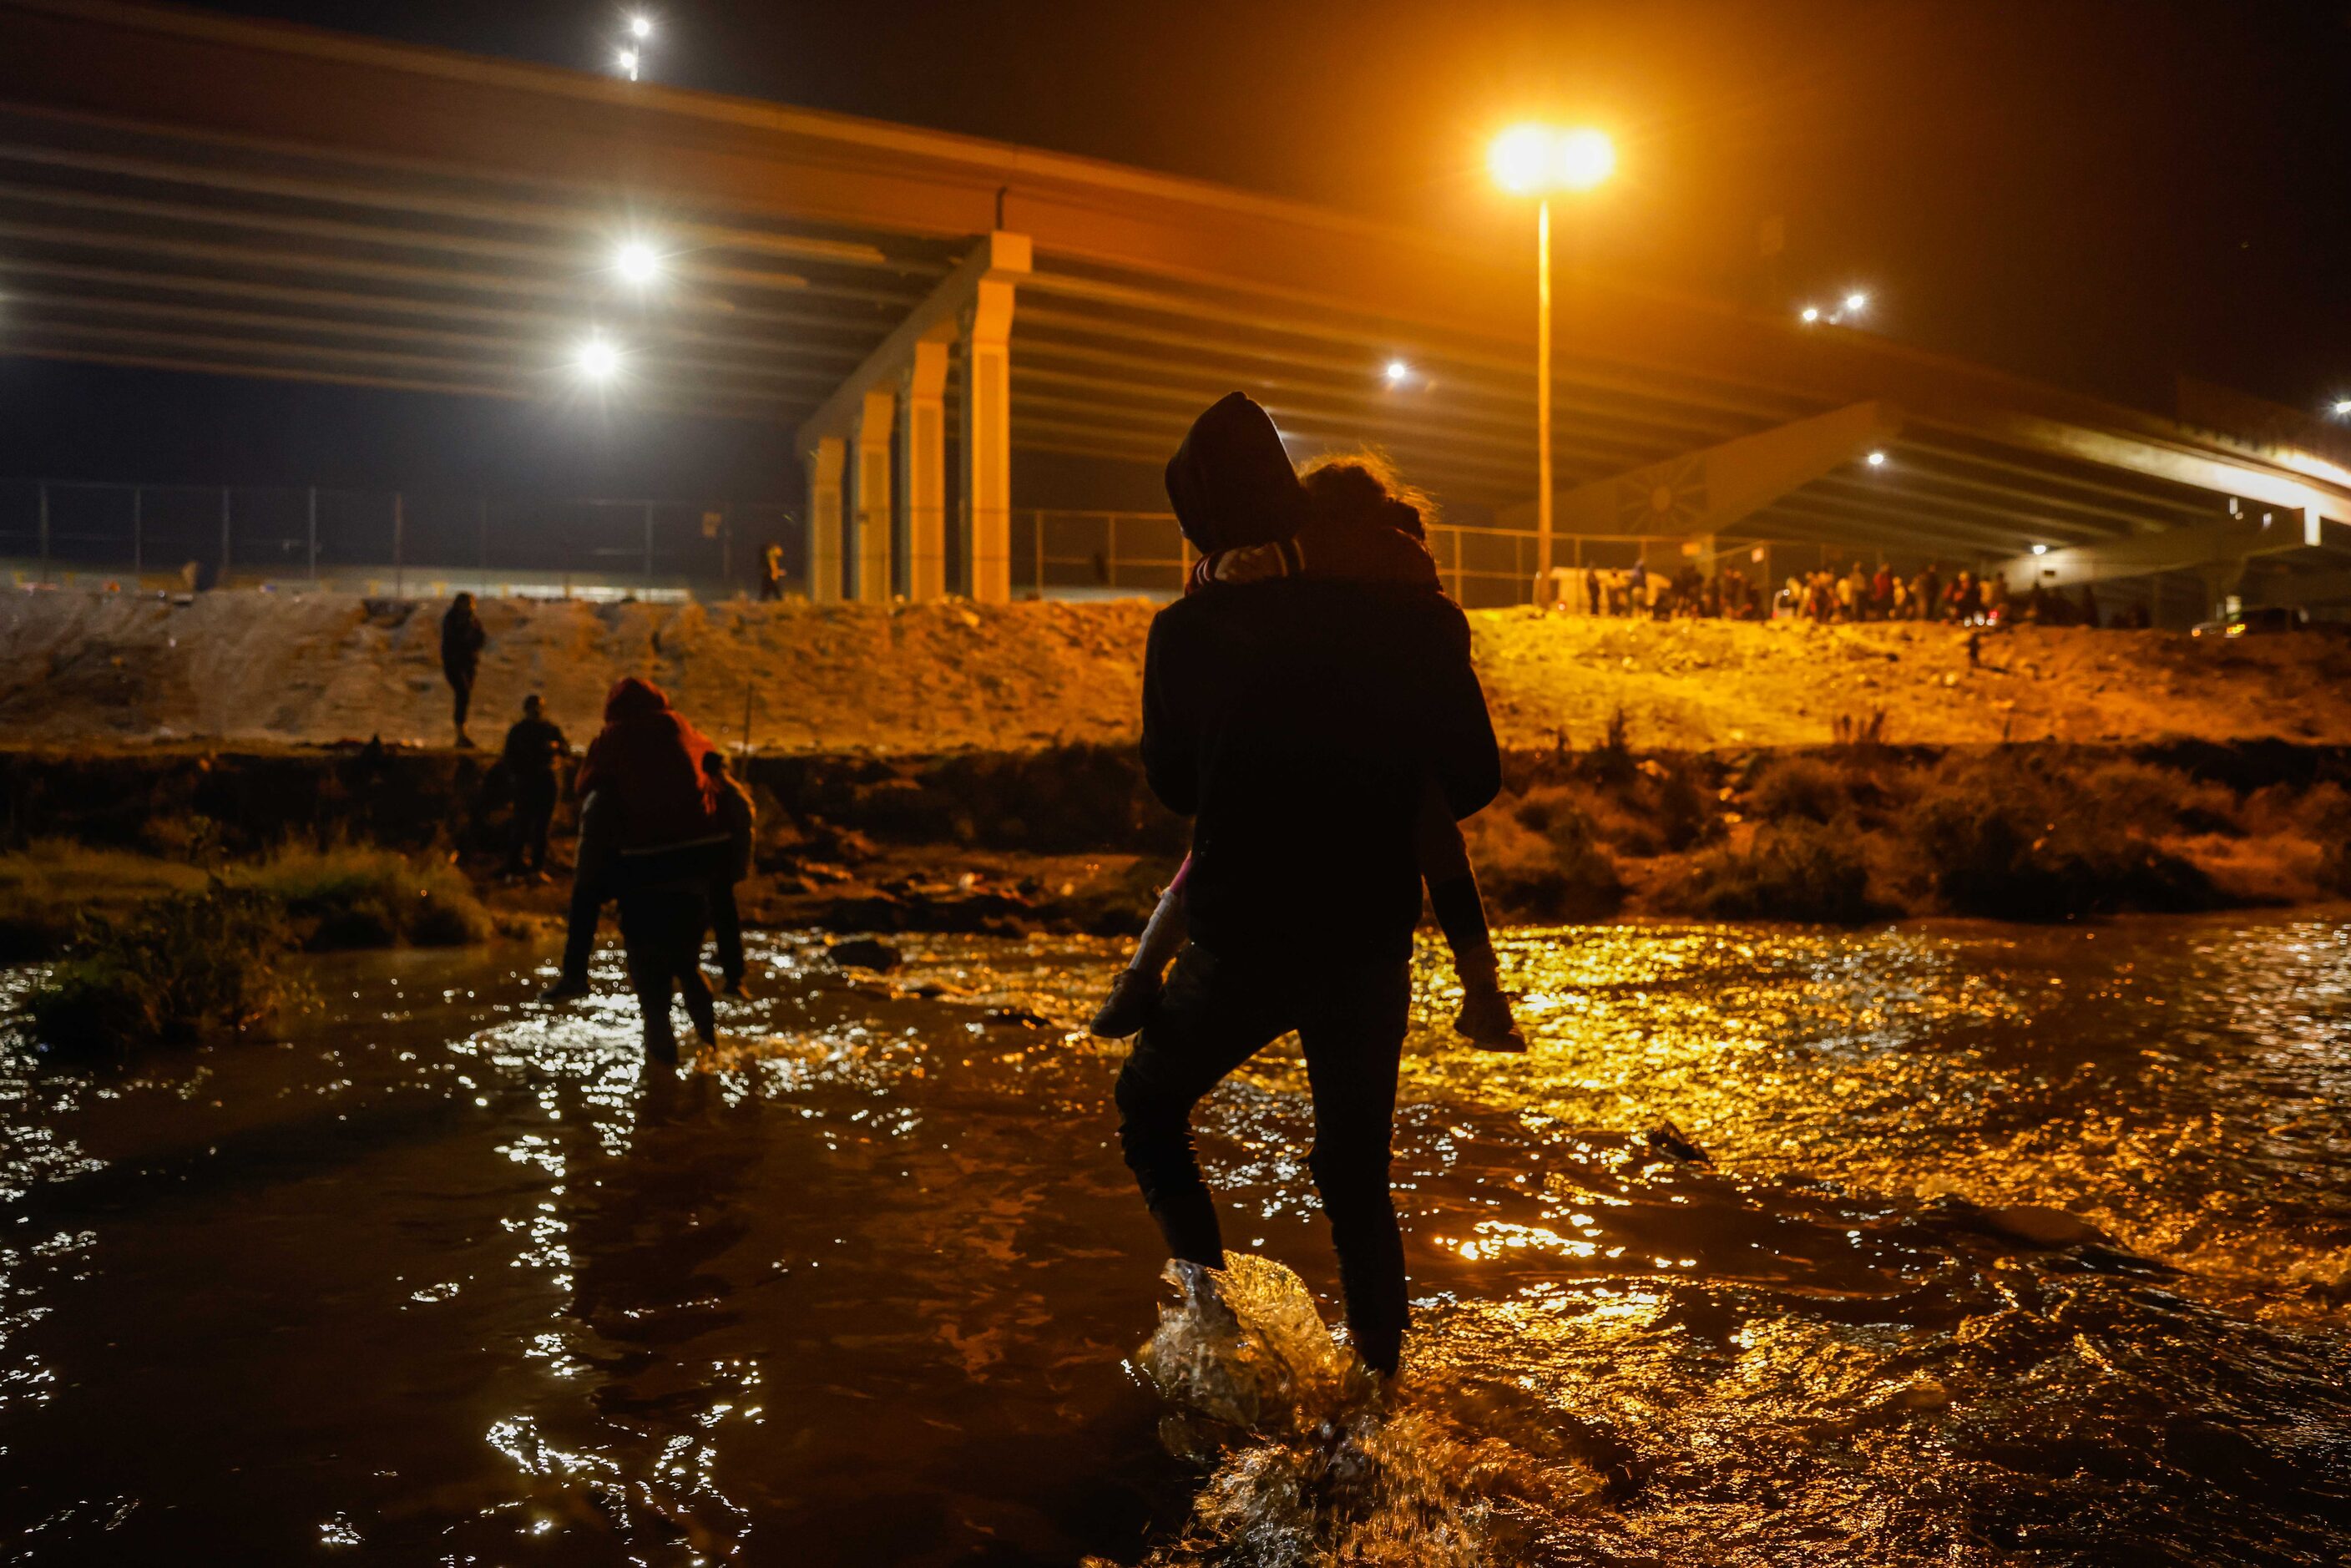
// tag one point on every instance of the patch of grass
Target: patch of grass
(1796, 870)
(186, 967)
(1799, 787)
(1539, 857)
(2162, 798)
(2013, 838)
(344, 898)
(48, 886)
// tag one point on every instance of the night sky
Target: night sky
(2094, 194)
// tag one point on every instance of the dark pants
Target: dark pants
(534, 809)
(461, 689)
(1215, 1015)
(660, 931)
(770, 587)
(727, 930)
(594, 875)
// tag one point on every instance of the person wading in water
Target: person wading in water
(1300, 722)
(642, 777)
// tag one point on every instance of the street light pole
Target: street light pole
(1542, 402)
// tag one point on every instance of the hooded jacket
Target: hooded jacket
(646, 764)
(1231, 481)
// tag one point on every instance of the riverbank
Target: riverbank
(1070, 839)
(264, 670)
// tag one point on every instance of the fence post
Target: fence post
(227, 554)
(45, 533)
(482, 541)
(1038, 529)
(399, 545)
(138, 535)
(313, 515)
(649, 547)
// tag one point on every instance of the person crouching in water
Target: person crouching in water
(737, 816)
(643, 775)
(1363, 525)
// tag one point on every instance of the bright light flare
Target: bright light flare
(2039, 549)
(1857, 301)
(1877, 460)
(1812, 313)
(627, 60)
(2343, 408)
(637, 263)
(1397, 370)
(596, 359)
(640, 27)
(1527, 159)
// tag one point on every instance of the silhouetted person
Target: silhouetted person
(461, 655)
(535, 747)
(644, 768)
(735, 815)
(771, 572)
(1299, 722)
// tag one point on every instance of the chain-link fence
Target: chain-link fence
(168, 535)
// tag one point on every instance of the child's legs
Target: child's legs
(1452, 886)
(1163, 932)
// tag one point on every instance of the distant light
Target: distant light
(1812, 313)
(1520, 157)
(640, 27)
(1877, 460)
(1584, 159)
(627, 59)
(596, 359)
(2039, 549)
(2343, 407)
(1855, 301)
(637, 262)
(1397, 370)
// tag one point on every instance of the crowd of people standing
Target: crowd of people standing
(1855, 591)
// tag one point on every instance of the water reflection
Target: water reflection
(2012, 1242)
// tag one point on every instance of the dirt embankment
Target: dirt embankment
(80, 669)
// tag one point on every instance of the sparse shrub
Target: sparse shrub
(47, 887)
(1796, 870)
(1538, 858)
(183, 967)
(1799, 787)
(345, 898)
(1682, 805)
(2144, 793)
(2005, 836)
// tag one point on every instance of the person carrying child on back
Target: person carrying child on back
(1363, 525)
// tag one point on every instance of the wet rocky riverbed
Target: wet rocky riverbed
(2014, 1246)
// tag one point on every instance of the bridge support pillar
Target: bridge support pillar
(871, 439)
(987, 443)
(825, 459)
(922, 472)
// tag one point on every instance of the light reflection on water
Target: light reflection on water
(449, 1277)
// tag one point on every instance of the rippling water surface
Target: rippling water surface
(2015, 1247)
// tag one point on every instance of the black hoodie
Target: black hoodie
(1231, 483)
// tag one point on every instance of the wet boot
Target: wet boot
(661, 1046)
(567, 989)
(1133, 998)
(697, 997)
(1485, 1017)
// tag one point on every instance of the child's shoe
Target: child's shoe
(1133, 996)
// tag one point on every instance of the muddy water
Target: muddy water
(2015, 1247)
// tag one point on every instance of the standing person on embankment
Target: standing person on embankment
(461, 637)
(535, 747)
(644, 768)
(1300, 722)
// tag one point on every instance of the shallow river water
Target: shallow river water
(2017, 1246)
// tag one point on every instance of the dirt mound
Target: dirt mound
(262, 668)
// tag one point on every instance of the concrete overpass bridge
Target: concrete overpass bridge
(923, 314)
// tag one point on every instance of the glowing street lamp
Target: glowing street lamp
(641, 28)
(1811, 313)
(1855, 303)
(1537, 160)
(596, 358)
(2343, 408)
(627, 60)
(1877, 460)
(1397, 370)
(638, 263)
